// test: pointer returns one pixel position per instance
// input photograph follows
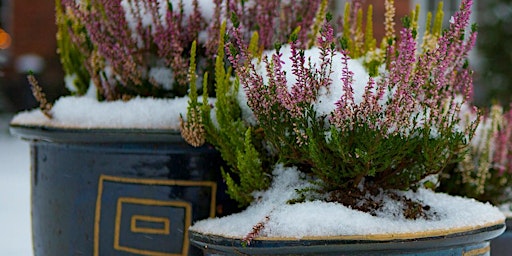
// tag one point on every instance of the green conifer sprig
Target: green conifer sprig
(239, 144)
(70, 52)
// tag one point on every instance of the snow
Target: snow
(318, 218)
(506, 209)
(87, 112)
(206, 7)
(14, 194)
(163, 76)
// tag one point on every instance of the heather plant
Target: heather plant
(355, 132)
(273, 20)
(128, 48)
(485, 172)
(241, 145)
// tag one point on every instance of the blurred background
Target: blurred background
(27, 43)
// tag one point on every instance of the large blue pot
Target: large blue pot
(502, 245)
(463, 242)
(119, 192)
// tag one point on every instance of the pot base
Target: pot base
(473, 242)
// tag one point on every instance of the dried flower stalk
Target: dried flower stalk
(193, 132)
(40, 96)
(256, 230)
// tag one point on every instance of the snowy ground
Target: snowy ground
(15, 231)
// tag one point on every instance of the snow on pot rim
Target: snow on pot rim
(88, 113)
(327, 220)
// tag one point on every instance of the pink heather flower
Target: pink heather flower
(503, 145)
(404, 101)
(423, 86)
(452, 51)
(305, 90)
(300, 71)
(307, 10)
(267, 12)
(277, 84)
(345, 105)
(274, 20)
(327, 52)
(371, 101)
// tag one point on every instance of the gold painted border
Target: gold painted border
(477, 251)
(151, 202)
(134, 228)
(385, 237)
(104, 178)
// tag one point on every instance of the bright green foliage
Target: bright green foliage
(433, 31)
(193, 76)
(438, 21)
(415, 15)
(194, 107)
(315, 30)
(249, 169)
(346, 27)
(71, 57)
(239, 145)
(370, 43)
(359, 41)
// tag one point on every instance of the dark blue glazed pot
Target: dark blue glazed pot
(119, 192)
(502, 245)
(471, 241)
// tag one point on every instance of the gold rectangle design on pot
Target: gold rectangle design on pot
(122, 214)
(148, 202)
(136, 220)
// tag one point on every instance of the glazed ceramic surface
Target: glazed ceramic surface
(118, 192)
(464, 242)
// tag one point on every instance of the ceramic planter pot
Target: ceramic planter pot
(119, 192)
(502, 245)
(469, 241)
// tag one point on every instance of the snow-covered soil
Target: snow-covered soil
(277, 219)
(86, 112)
(15, 234)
